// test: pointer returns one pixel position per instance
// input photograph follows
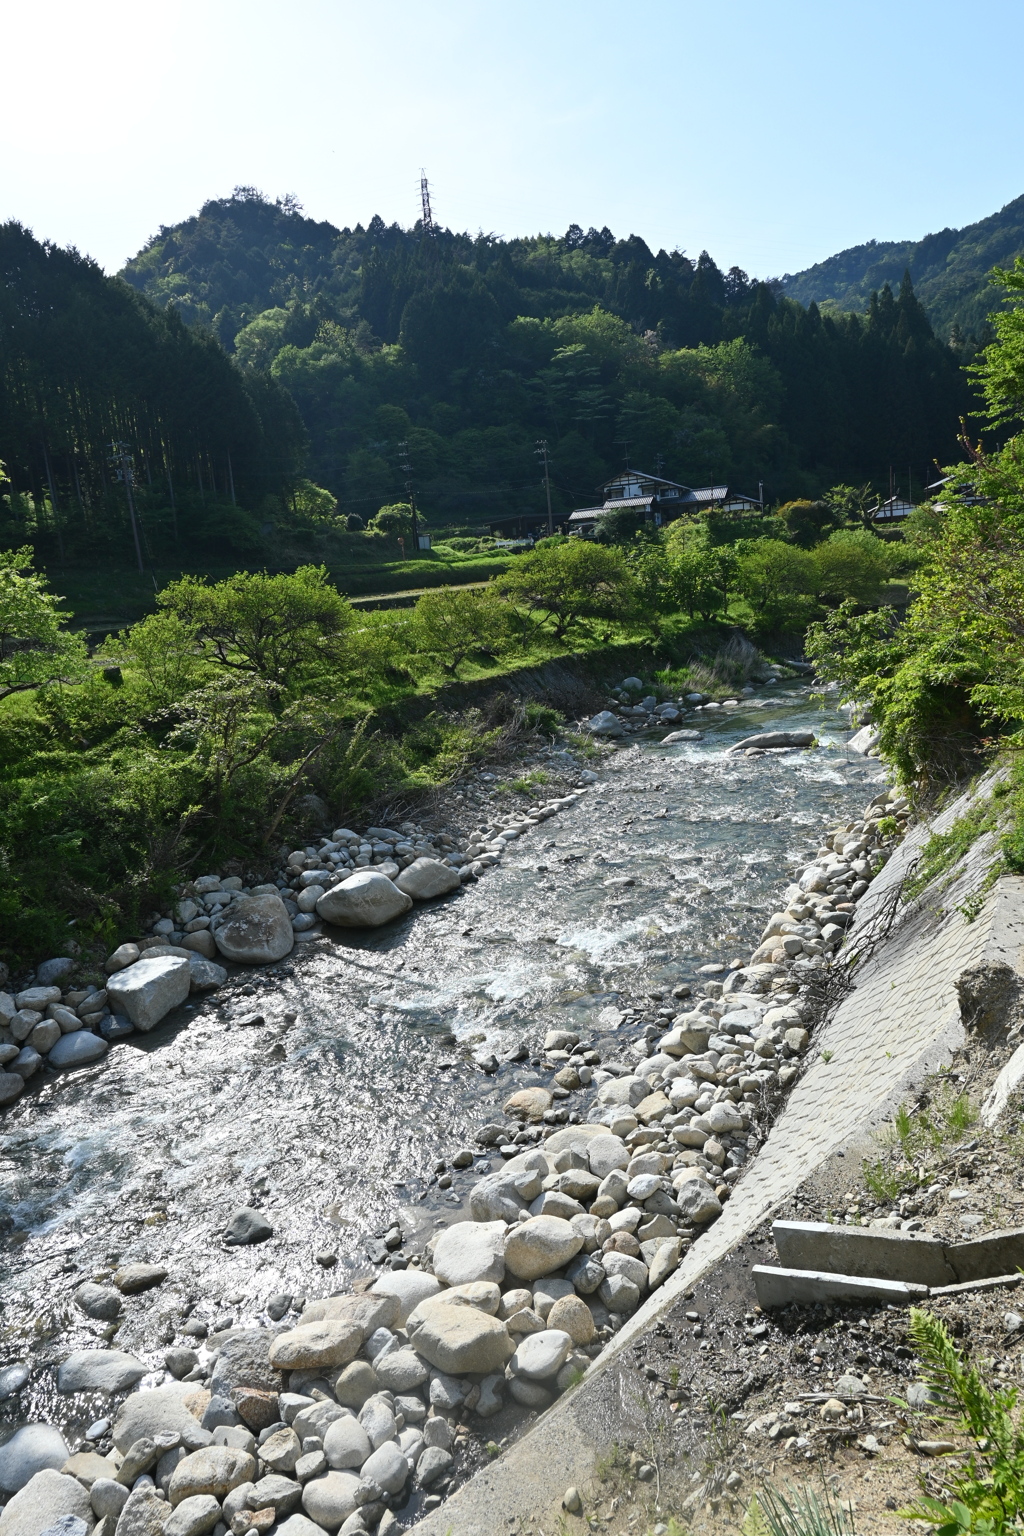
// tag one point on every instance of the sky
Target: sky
(770, 135)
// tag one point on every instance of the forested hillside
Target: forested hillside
(949, 271)
(469, 349)
(86, 362)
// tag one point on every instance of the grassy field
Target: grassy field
(104, 598)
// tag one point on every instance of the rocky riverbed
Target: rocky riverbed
(577, 1047)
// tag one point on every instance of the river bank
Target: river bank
(627, 940)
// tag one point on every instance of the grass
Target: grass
(798, 1512)
(944, 851)
(909, 1136)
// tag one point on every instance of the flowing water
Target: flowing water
(331, 1115)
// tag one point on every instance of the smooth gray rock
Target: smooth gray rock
(144, 1514)
(697, 1203)
(147, 991)
(346, 1445)
(409, 1286)
(37, 998)
(42, 1501)
(540, 1355)
(427, 878)
(12, 1086)
(433, 1464)
(247, 1226)
(31, 1449)
(332, 1498)
(193, 1516)
(605, 723)
(244, 1361)
(13, 1378)
(539, 1246)
(387, 1467)
(99, 1370)
(400, 1370)
(365, 900)
(470, 1250)
(27, 1062)
(147, 1414)
(107, 1497)
(215, 1469)
(258, 932)
(51, 971)
(460, 1339)
(776, 739)
(205, 974)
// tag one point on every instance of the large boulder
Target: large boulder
(776, 739)
(316, 1346)
(99, 1370)
(387, 1467)
(194, 1516)
(216, 1470)
(42, 1500)
(31, 1449)
(460, 1340)
(408, 1286)
(426, 878)
(244, 1361)
(470, 1250)
(258, 931)
(604, 723)
(369, 1312)
(365, 900)
(148, 990)
(163, 1410)
(540, 1246)
(606, 1154)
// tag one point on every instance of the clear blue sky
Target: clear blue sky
(771, 134)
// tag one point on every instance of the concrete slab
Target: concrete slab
(778, 1287)
(862, 1251)
(997, 1253)
(993, 1283)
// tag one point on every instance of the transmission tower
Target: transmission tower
(427, 217)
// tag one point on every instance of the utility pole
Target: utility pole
(121, 459)
(541, 451)
(403, 450)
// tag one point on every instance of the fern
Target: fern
(989, 1492)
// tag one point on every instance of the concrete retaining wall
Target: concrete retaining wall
(901, 1021)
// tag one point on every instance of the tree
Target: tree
(851, 504)
(695, 569)
(777, 580)
(451, 623)
(853, 564)
(807, 522)
(1001, 369)
(35, 647)
(394, 521)
(569, 582)
(285, 630)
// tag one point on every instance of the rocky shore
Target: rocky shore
(333, 1411)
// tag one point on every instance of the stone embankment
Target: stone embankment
(325, 1420)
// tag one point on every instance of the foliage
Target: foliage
(395, 521)
(452, 623)
(797, 1512)
(568, 583)
(35, 648)
(987, 1494)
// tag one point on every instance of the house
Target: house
(657, 500)
(892, 511)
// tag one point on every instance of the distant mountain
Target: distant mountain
(949, 270)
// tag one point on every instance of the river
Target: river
(331, 1115)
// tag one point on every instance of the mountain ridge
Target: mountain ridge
(949, 270)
